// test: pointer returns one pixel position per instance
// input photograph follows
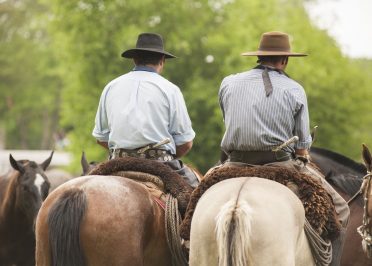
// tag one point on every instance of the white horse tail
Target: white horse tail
(233, 230)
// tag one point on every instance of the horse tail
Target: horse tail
(233, 228)
(64, 228)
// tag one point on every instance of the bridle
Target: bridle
(365, 229)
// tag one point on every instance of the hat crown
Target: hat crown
(275, 41)
(150, 40)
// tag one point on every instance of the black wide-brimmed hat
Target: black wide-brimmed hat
(151, 42)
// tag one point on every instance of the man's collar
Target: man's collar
(144, 68)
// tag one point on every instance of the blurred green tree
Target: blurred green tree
(80, 52)
(29, 88)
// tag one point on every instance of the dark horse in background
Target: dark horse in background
(345, 175)
(22, 191)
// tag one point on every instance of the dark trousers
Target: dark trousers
(183, 170)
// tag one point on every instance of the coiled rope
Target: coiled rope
(172, 222)
(321, 249)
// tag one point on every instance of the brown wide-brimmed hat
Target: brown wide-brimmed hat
(274, 43)
(151, 42)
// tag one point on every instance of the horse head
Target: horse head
(31, 185)
(365, 230)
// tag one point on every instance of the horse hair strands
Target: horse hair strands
(233, 228)
(64, 229)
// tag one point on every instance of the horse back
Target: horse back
(120, 226)
(271, 218)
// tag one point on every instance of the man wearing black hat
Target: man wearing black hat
(142, 114)
(263, 109)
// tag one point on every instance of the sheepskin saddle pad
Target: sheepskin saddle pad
(174, 184)
(318, 205)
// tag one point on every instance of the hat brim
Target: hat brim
(132, 52)
(272, 53)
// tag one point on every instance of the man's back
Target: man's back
(140, 107)
(254, 120)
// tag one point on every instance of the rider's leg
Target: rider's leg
(343, 214)
(188, 175)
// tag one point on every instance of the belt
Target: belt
(153, 154)
(259, 157)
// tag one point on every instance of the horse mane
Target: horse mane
(359, 167)
(173, 182)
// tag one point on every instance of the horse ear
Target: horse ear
(46, 163)
(16, 165)
(84, 164)
(367, 157)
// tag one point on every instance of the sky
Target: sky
(349, 22)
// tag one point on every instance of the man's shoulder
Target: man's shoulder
(167, 82)
(292, 84)
(134, 76)
(117, 79)
(236, 77)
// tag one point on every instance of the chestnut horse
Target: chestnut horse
(107, 220)
(249, 221)
(22, 191)
(346, 176)
(101, 220)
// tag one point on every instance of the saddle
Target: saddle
(318, 205)
(148, 171)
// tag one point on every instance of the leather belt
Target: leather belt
(259, 157)
(153, 154)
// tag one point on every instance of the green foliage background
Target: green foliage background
(57, 56)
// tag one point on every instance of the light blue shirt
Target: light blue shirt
(140, 108)
(255, 122)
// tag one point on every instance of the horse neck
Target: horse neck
(9, 197)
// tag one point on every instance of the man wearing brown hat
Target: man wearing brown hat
(264, 108)
(142, 114)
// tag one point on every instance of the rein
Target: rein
(355, 196)
(363, 230)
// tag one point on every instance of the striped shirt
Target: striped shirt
(140, 108)
(255, 122)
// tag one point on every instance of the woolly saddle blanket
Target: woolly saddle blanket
(174, 184)
(318, 205)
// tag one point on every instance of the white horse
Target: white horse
(249, 221)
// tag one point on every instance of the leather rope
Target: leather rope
(321, 249)
(172, 224)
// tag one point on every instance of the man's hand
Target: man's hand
(303, 155)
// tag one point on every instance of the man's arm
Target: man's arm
(183, 149)
(103, 144)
